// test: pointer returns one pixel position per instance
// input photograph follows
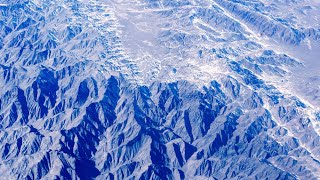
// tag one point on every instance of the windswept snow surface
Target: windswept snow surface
(159, 89)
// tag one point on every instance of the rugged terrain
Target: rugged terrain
(159, 89)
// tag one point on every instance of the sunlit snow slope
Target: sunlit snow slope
(159, 89)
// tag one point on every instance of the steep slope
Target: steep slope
(170, 89)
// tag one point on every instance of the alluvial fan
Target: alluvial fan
(159, 89)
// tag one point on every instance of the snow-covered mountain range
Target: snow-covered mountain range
(159, 89)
